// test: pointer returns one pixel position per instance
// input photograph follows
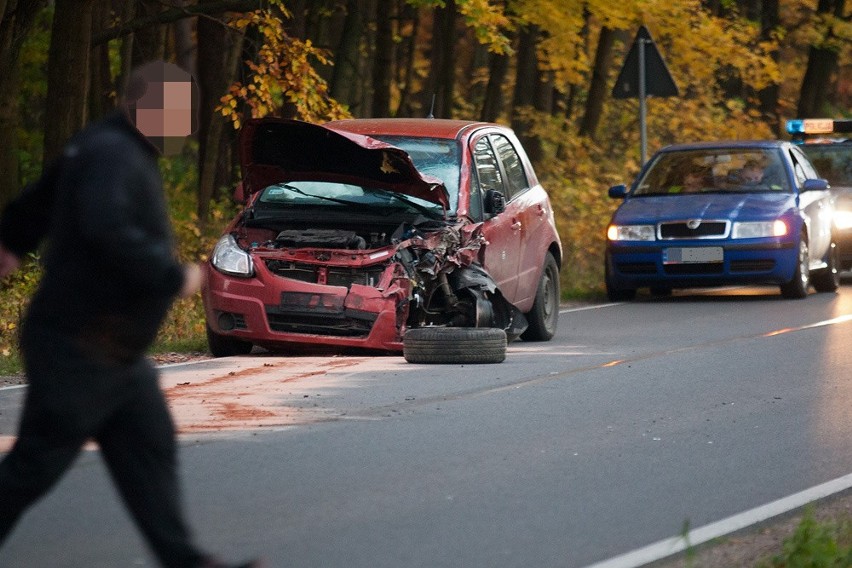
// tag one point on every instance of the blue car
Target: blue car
(720, 213)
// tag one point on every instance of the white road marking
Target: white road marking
(670, 546)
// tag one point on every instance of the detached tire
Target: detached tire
(454, 345)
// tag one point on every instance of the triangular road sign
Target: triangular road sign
(658, 80)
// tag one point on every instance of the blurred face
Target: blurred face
(752, 175)
(693, 181)
(164, 111)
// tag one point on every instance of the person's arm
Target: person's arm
(26, 219)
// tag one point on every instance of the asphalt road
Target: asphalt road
(636, 421)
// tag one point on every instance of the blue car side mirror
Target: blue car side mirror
(618, 191)
(815, 185)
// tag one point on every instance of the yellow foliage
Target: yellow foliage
(283, 73)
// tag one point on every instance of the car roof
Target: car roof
(419, 127)
(733, 144)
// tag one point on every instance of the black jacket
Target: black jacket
(109, 261)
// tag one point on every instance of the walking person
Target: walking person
(110, 276)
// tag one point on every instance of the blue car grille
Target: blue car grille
(693, 229)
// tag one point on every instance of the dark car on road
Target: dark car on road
(358, 232)
(828, 143)
(718, 213)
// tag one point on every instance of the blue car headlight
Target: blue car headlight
(758, 229)
(631, 233)
(229, 258)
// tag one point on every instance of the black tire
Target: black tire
(797, 287)
(224, 346)
(828, 279)
(617, 294)
(544, 315)
(454, 345)
(660, 291)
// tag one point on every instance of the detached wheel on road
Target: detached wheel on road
(224, 346)
(454, 345)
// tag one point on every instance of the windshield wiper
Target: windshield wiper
(407, 201)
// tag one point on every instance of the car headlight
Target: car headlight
(630, 233)
(758, 229)
(229, 258)
(843, 220)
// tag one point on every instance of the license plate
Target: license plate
(687, 255)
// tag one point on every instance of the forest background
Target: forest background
(544, 67)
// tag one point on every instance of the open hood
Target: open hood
(278, 150)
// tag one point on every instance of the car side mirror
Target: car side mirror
(240, 193)
(815, 185)
(618, 191)
(495, 202)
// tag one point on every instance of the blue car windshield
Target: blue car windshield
(715, 170)
(436, 157)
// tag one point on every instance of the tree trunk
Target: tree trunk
(219, 52)
(383, 59)
(344, 79)
(68, 62)
(768, 97)
(17, 18)
(101, 100)
(405, 65)
(184, 44)
(498, 69)
(149, 43)
(526, 81)
(822, 62)
(438, 93)
(598, 86)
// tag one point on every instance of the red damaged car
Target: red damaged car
(427, 236)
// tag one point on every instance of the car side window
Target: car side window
(475, 207)
(798, 169)
(487, 168)
(807, 167)
(516, 177)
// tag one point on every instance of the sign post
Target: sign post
(644, 73)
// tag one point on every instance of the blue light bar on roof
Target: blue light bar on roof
(802, 126)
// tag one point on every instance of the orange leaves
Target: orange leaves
(282, 73)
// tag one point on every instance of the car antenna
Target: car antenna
(432, 108)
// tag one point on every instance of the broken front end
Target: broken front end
(348, 287)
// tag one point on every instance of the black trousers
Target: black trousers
(74, 396)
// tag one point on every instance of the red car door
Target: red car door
(502, 230)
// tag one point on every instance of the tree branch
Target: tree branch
(175, 14)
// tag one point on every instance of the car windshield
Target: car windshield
(714, 170)
(832, 161)
(345, 196)
(436, 157)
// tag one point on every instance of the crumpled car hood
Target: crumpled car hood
(277, 150)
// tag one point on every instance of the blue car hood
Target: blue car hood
(731, 206)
